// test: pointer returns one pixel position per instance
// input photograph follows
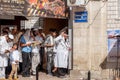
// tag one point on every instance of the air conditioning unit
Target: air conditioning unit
(96, 0)
(75, 2)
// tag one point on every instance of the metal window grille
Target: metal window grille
(119, 8)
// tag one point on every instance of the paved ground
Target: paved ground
(43, 76)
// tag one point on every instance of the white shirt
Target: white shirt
(3, 45)
(14, 56)
(49, 40)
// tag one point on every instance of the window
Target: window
(118, 8)
(22, 24)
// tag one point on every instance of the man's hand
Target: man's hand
(62, 34)
(28, 43)
(11, 49)
(49, 45)
(17, 61)
(7, 51)
(70, 49)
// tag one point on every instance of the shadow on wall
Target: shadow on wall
(109, 65)
(113, 67)
(112, 61)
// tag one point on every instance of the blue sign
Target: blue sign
(81, 16)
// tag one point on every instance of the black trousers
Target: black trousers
(41, 57)
(20, 68)
(8, 69)
(26, 65)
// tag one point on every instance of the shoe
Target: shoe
(56, 74)
(61, 72)
(27, 75)
(49, 73)
(10, 78)
(15, 78)
(24, 75)
(34, 73)
(7, 76)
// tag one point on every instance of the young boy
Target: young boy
(14, 59)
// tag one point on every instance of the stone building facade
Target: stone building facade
(113, 14)
(90, 41)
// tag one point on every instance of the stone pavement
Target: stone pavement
(43, 76)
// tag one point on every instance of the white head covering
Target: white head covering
(63, 30)
(40, 27)
(35, 29)
(10, 36)
(27, 35)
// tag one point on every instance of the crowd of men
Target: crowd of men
(24, 50)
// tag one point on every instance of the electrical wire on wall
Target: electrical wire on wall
(96, 13)
(87, 2)
(89, 24)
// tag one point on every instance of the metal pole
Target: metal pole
(118, 39)
(37, 74)
(0, 28)
(89, 75)
(70, 31)
(117, 56)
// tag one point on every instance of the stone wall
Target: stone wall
(113, 16)
(90, 43)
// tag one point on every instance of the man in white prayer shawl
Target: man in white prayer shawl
(4, 52)
(61, 49)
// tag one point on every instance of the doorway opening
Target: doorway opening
(57, 24)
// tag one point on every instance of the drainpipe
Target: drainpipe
(70, 33)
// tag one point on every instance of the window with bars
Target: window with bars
(22, 24)
(118, 8)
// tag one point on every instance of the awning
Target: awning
(6, 17)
